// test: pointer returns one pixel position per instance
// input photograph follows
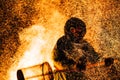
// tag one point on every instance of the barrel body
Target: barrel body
(37, 72)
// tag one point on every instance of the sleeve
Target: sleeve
(59, 55)
(91, 54)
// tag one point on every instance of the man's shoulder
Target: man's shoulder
(61, 39)
(64, 42)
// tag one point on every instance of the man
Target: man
(72, 52)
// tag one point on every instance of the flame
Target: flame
(32, 55)
(33, 49)
(37, 43)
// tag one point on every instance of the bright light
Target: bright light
(37, 43)
(33, 53)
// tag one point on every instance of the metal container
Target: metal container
(37, 72)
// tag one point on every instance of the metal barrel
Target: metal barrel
(38, 72)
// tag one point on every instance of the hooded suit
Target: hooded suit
(71, 50)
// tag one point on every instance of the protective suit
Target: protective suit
(71, 51)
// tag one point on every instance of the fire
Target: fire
(33, 44)
(37, 43)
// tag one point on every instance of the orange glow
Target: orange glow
(38, 41)
(47, 19)
(33, 53)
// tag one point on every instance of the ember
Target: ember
(29, 30)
